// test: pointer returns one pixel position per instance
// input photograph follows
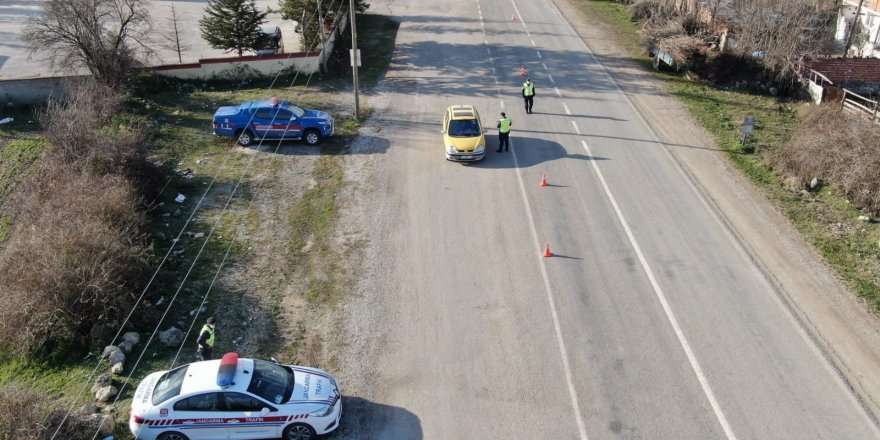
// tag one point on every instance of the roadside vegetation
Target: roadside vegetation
(90, 207)
(817, 164)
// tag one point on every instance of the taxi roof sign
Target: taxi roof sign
(226, 372)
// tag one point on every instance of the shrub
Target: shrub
(26, 414)
(72, 261)
(838, 148)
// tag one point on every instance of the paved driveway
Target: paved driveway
(14, 62)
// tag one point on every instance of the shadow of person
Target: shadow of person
(363, 419)
(529, 152)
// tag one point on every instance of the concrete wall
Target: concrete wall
(33, 90)
(243, 67)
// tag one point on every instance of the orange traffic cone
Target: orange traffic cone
(544, 180)
(523, 72)
(547, 252)
(513, 17)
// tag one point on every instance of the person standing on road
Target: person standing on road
(504, 133)
(528, 92)
(206, 340)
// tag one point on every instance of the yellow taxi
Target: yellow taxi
(463, 134)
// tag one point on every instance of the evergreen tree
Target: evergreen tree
(233, 25)
(306, 12)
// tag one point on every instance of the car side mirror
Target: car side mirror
(265, 412)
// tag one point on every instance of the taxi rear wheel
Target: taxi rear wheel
(299, 431)
(172, 436)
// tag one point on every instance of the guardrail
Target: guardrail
(851, 101)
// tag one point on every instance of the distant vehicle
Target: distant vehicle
(235, 398)
(463, 136)
(272, 43)
(272, 119)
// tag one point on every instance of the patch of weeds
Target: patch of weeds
(16, 159)
(312, 218)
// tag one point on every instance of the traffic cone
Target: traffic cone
(544, 180)
(523, 72)
(547, 252)
(513, 17)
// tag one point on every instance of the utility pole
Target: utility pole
(857, 23)
(354, 58)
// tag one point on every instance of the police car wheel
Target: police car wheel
(299, 431)
(312, 137)
(245, 138)
(172, 436)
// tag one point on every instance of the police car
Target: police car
(235, 398)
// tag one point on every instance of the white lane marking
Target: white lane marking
(539, 55)
(553, 314)
(502, 102)
(695, 365)
(551, 79)
(557, 92)
(567, 111)
(576, 129)
(493, 67)
(533, 43)
(545, 66)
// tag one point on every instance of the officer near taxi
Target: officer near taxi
(206, 340)
(528, 93)
(504, 133)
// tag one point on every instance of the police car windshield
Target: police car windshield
(298, 112)
(464, 128)
(271, 381)
(169, 385)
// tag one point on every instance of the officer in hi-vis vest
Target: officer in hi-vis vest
(528, 92)
(504, 133)
(206, 340)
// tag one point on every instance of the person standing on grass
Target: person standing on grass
(206, 340)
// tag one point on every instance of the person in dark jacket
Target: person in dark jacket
(206, 340)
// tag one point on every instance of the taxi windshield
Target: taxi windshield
(169, 385)
(464, 128)
(271, 381)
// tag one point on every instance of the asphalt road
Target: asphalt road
(649, 322)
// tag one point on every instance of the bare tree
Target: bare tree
(783, 31)
(170, 39)
(107, 37)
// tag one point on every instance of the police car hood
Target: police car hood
(316, 114)
(313, 386)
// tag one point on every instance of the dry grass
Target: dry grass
(837, 148)
(26, 414)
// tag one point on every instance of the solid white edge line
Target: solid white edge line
(582, 430)
(695, 365)
(567, 111)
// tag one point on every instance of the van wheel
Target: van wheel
(312, 137)
(245, 138)
(299, 431)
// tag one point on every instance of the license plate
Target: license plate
(465, 157)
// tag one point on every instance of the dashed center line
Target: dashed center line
(539, 54)
(576, 129)
(551, 79)
(567, 111)
(545, 66)
(557, 92)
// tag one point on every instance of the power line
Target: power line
(161, 264)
